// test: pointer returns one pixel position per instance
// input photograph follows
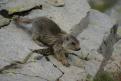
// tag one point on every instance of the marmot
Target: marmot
(46, 31)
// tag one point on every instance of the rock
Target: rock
(3, 2)
(92, 67)
(91, 40)
(42, 69)
(19, 77)
(3, 21)
(114, 12)
(15, 44)
(76, 61)
(57, 3)
(71, 73)
(83, 24)
(114, 64)
(98, 29)
(14, 6)
(67, 17)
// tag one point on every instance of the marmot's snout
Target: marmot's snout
(78, 49)
(71, 43)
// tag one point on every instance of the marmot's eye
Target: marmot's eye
(73, 43)
(67, 38)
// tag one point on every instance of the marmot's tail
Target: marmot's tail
(20, 20)
(23, 23)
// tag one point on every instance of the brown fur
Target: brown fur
(49, 33)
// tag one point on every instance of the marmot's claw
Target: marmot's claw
(67, 64)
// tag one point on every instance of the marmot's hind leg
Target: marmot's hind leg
(45, 52)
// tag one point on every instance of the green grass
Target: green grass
(103, 7)
(102, 76)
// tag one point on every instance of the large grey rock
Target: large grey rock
(115, 14)
(91, 39)
(114, 64)
(42, 68)
(67, 17)
(99, 28)
(15, 44)
(13, 6)
(3, 21)
(19, 77)
(83, 24)
(71, 73)
(76, 61)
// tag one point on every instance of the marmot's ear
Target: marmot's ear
(66, 37)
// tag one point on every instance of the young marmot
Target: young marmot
(46, 31)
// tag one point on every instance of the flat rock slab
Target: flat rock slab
(15, 44)
(42, 69)
(99, 28)
(71, 73)
(14, 6)
(18, 77)
(91, 39)
(67, 17)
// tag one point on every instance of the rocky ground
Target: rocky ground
(97, 32)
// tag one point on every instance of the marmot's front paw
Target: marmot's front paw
(67, 64)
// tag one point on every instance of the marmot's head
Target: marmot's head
(71, 43)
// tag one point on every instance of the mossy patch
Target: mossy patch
(104, 6)
(14, 9)
(104, 76)
(89, 78)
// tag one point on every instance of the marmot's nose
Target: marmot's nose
(78, 49)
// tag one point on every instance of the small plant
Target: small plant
(104, 76)
(117, 76)
(102, 5)
(89, 78)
